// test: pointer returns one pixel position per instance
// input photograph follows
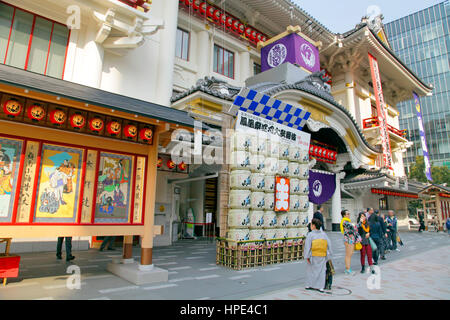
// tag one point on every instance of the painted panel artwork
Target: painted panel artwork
(59, 184)
(10, 151)
(113, 197)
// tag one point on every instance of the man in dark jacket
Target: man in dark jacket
(391, 221)
(319, 215)
(377, 232)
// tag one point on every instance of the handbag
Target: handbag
(373, 245)
(358, 246)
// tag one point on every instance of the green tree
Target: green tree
(440, 175)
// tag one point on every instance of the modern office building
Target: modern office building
(422, 41)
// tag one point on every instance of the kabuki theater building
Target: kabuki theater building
(93, 95)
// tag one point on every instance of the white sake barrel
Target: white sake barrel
(304, 186)
(257, 182)
(240, 160)
(257, 163)
(240, 179)
(273, 148)
(256, 219)
(269, 183)
(295, 153)
(262, 145)
(304, 202)
(256, 234)
(304, 156)
(238, 235)
(270, 234)
(293, 233)
(240, 199)
(283, 167)
(302, 232)
(295, 186)
(293, 218)
(270, 219)
(281, 233)
(303, 219)
(284, 151)
(257, 200)
(303, 171)
(238, 218)
(294, 202)
(271, 165)
(294, 169)
(269, 201)
(282, 219)
(243, 141)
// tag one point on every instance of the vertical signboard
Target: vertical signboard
(426, 157)
(381, 110)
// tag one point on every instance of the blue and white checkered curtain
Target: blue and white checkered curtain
(269, 108)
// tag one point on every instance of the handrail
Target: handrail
(374, 122)
(252, 241)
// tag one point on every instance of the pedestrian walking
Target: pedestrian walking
(376, 234)
(366, 250)
(108, 243)
(369, 212)
(319, 215)
(351, 237)
(317, 253)
(69, 255)
(421, 218)
(391, 221)
(386, 239)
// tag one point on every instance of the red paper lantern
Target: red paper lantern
(210, 11)
(159, 162)
(77, 121)
(203, 7)
(241, 28)
(229, 22)
(130, 131)
(36, 112)
(187, 2)
(235, 25)
(182, 166)
(248, 32)
(170, 164)
(196, 4)
(223, 18)
(96, 124)
(58, 117)
(216, 14)
(113, 127)
(146, 134)
(12, 108)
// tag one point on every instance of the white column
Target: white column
(350, 84)
(167, 53)
(336, 206)
(244, 65)
(204, 52)
(92, 68)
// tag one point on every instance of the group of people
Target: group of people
(374, 235)
(107, 243)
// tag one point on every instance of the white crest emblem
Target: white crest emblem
(277, 55)
(317, 188)
(308, 55)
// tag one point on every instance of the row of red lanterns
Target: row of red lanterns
(221, 17)
(323, 153)
(395, 194)
(171, 164)
(36, 113)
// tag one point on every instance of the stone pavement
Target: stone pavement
(423, 276)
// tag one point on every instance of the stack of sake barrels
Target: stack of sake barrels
(255, 161)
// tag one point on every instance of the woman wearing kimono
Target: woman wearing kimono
(317, 253)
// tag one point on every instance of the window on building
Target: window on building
(374, 111)
(33, 43)
(182, 44)
(256, 68)
(223, 61)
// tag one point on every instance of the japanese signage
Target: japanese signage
(426, 157)
(89, 183)
(139, 190)
(282, 190)
(322, 186)
(291, 48)
(381, 110)
(249, 122)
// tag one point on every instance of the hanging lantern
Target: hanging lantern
(259, 37)
(253, 35)
(196, 4)
(248, 32)
(182, 166)
(241, 28)
(216, 15)
(12, 108)
(57, 117)
(170, 164)
(36, 112)
(96, 124)
(229, 22)
(187, 2)
(203, 7)
(130, 131)
(210, 11)
(235, 25)
(113, 127)
(223, 18)
(159, 162)
(77, 121)
(146, 134)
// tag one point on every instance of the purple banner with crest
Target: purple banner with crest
(426, 157)
(321, 186)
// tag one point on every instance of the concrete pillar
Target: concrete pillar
(167, 53)
(244, 65)
(92, 68)
(203, 53)
(336, 206)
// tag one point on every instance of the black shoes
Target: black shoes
(363, 269)
(375, 263)
(112, 249)
(383, 258)
(58, 256)
(69, 258)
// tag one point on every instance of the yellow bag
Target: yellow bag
(358, 246)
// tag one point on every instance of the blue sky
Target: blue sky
(340, 16)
